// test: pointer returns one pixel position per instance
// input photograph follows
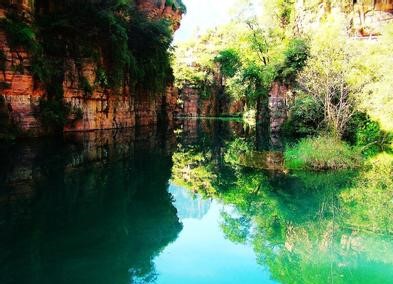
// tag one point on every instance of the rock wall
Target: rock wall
(364, 17)
(17, 88)
(159, 9)
(278, 106)
(194, 105)
(102, 109)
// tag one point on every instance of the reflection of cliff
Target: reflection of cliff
(188, 205)
(90, 212)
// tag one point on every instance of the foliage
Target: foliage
(54, 114)
(327, 73)
(305, 116)
(236, 149)
(8, 129)
(243, 57)
(296, 56)
(176, 5)
(3, 61)
(367, 135)
(126, 46)
(375, 73)
(321, 153)
(249, 83)
(235, 229)
(194, 61)
(229, 61)
(367, 201)
(285, 12)
(84, 84)
(149, 43)
(19, 33)
(193, 171)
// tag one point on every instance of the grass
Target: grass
(322, 153)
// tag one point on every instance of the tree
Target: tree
(327, 73)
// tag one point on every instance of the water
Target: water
(209, 204)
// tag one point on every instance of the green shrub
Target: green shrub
(236, 149)
(321, 153)
(367, 135)
(296, 57)
(229, 61)
(305, 117)
(85, 85)
(19, 33)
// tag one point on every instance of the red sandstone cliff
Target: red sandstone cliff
(103, 109)
(159, 9)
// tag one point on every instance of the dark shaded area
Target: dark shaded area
(92, 209)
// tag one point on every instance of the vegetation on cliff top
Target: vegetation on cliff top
(126, 48)
(176, 5)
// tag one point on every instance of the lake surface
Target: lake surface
(209, 202)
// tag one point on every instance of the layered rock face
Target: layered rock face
(278, 106)
(193, 104)
(102, 109)
(364, 17)
(17, 88)
(157, 9)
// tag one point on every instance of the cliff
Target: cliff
(364, 17)
(86, 103)
(157, 9)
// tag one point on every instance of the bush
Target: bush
(322, 153)
(229, 61)
(53, 114)
(305, 117)
(296, 57)
(367, 135)
(19, 33)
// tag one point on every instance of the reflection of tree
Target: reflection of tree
(368, 203)
(305, 227)
(301, 226)
(193, 170)
(100, 222)
(199, 164)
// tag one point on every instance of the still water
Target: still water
(207, 203)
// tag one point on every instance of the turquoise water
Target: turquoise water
(202, 239)
(151, 206)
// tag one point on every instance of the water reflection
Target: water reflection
(304, 227)
(210, 205)
(189, 206)
(90, 211)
